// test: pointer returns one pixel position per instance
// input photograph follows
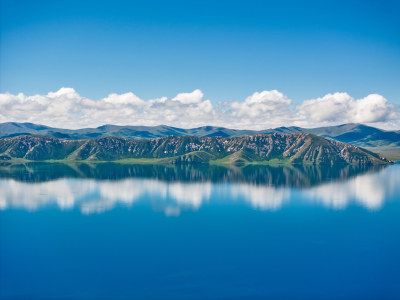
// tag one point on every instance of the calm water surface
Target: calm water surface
(114, 231)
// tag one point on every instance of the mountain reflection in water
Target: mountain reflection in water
(100, 187)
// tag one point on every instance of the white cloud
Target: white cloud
(189, 98)
(259, 104)
(326, 109)
(342, 108)
(261, 110)
(373, 108)
(266, 109)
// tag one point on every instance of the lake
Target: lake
(111, 231)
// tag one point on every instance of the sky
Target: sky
(239, 64)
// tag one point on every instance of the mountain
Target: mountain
(11, 129)
(355, 134)
(359, 135)
(387, 143)
(277, 147)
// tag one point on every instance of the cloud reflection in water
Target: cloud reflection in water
(95, 196)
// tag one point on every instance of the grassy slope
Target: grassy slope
(390, 152)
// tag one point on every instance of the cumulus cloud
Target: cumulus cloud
(266, 109)
(260, 104)
(261, 110)
(342, 108)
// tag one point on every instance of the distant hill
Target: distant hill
(358, 134)
(355, 134)
(278, 147)
(11, 129)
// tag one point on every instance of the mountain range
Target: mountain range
(299, 147)
(355, 134)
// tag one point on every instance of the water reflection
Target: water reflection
(286, 176)
(171, 189)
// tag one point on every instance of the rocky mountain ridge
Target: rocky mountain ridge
(279, 147)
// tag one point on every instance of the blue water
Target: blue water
(153, 232)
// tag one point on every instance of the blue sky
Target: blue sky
(239, 64)
(228, 49)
